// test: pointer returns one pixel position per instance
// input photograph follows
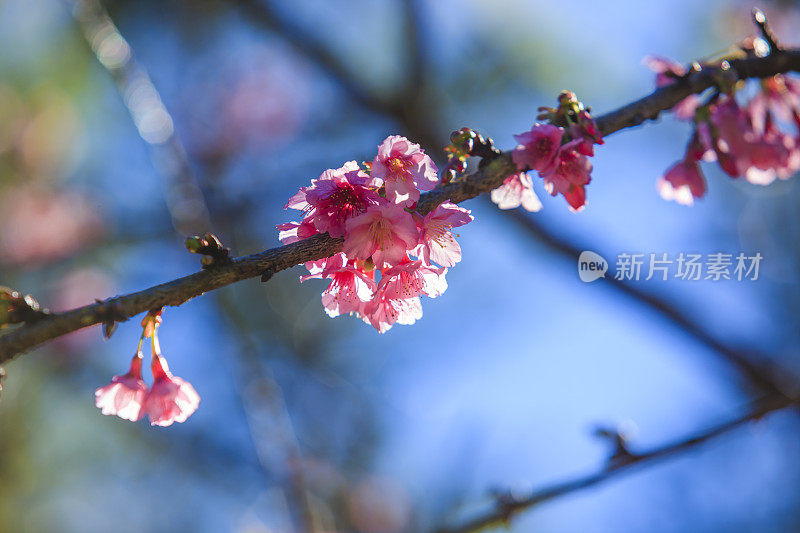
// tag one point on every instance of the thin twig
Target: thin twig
(760, 20)
(507, 505)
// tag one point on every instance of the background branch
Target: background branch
(507, 505)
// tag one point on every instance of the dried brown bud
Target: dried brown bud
(213, 241)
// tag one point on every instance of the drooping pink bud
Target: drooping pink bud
(125, 394)
(171, 399)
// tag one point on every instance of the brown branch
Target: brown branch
(507, 505)
(276, 259)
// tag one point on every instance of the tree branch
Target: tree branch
(274, 260)
(507, 505)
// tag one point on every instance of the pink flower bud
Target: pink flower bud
(125, 394)
(171, 399)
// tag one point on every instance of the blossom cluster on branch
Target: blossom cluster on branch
(391, 254)
(559, 154)
(749, 140)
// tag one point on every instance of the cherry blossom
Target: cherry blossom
(537, 148)
(570, 175)
(125, 394)
(350, 288)
(382, 312)
(438, 245)
(779, 95)
(517, 190)
(296, 231)
(404, 170)
(384, 233)
(171, 399)
(337, 195)
(410, 279)
(683, 182)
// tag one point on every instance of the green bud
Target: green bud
(195, 243)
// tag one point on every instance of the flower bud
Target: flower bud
(213, 241)
(194, 244)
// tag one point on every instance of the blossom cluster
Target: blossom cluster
(391, 254)
(559, 154)
(745, 140)
(169, 399)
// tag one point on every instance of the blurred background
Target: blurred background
(118, 140)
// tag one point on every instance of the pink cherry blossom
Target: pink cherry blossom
(333, 198)
(410, 279)
(773, 155)
(589, 128)
(382, 313)
(779, 95)
(537, 148)
(683, 182)
(296, 231)
(570, 175)
(733, 133)
(125, 394)
(667, 71)
(384, 233)
(350, 288)
(587, 132)
(438, 244)
(516, 190)
(404, 169)
(171, 399)
(748, 143)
